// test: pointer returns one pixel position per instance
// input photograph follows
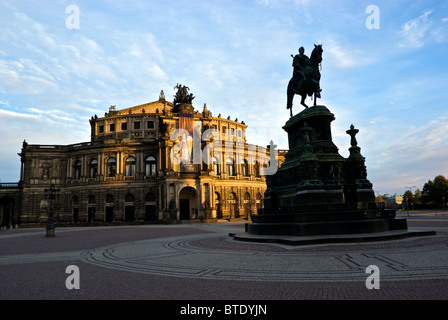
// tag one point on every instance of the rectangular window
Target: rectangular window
(101, 129)
(150, 169)
(137, 125)
(112, 127)
(124, 126)
(150, 124)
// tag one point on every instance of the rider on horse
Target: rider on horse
(299, 64)
(306, 76)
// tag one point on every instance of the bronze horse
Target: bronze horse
(309, 84)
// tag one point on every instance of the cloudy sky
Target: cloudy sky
(385, 71)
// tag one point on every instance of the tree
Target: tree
(408, 196)
(436, 191)
(417, 196)
(440, 189)
(426, 192)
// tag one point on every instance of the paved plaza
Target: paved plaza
(202, 262)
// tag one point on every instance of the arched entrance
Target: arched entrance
(91, 206)
(188, 203)
(110, 214)
(150, 207)
(233, 205)
(247, 205)
(75, 209)
(218, 205)
(259, 202)
(129, 209)
(6, 212)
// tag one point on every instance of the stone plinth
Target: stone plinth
(317, 192)
(314, 176)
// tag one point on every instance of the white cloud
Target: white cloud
(38, 127)
(410, 157)
(345, 57)
(14, 115)
(14, 79)
(414, 32)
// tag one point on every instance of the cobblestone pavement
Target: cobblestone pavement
(202, 262)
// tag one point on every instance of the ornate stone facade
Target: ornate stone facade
(133, 170)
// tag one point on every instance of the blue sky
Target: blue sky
(235, 56)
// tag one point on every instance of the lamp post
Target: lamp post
(410, 189)
(407, 204)
(51, 192)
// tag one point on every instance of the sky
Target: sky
(384, 70)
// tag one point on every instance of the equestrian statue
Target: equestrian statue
(306, 76)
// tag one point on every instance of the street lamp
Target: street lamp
(410, 189)
(52, 192)
(407, 204)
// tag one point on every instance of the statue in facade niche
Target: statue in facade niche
(306, 76)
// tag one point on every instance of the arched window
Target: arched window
(244, 168)
(129, 198)
(93, 170)
(215, 166)
(259, 201)
(150, 166)
(256, 168)
(111, 167)
(229, 167)
(130, 167)
(91, 201)
(150, 197)
(78, 166)
(110, 200)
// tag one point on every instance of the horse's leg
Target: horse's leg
(302, 102)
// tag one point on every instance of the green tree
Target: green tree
(440, 189)
(426, 192)
(408, 196)
(417, 196)
(436, 191)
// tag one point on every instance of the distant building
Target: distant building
(393, 201)
(137, 167)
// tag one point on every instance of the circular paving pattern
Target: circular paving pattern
(220, 257)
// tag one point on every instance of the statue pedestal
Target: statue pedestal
(317, 192)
